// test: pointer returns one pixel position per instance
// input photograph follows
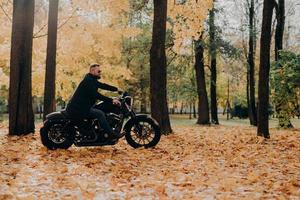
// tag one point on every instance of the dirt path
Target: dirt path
(215, 162)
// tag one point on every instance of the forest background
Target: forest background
(118, 35)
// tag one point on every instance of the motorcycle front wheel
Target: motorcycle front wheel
(143, 132)
(56, 135)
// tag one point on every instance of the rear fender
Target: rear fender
(69, 125)
(55, 116)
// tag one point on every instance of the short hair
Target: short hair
(94, 65)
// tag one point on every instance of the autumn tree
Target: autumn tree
(136, 57)
(21, 118)
(251, 66)
(135, 54)
(186, 19)
(285, 84)
(49, 95)
(213, 68)
(158, 71)
(280, 18)
(264, 70)
(189, 86)
(203, 108)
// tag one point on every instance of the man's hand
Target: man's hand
(116, 102)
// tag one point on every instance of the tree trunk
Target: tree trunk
(228, 102)
(158, 68)
(190, 114)
(181, 108)
(174, 108)
(251, 64)
(49, 96)
(213, 68)
(280, 16)
(194, 110)
(21, 117)
(248, 96)
(264, 70)
(203, 109)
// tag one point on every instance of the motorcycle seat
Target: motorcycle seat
(68, 116)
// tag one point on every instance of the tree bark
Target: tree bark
(158, 68)
(264, 70)
(181, 108)
(228, 101)
(203, 109)
(191, 110)
(194, 110)
(21, 117)
(49, 95)
(251, 67)
(280, 16)
(213, 68)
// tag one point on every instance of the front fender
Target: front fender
(137, 118)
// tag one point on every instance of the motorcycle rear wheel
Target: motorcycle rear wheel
(56, 135)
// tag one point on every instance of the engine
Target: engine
(115, 121)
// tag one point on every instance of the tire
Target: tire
(132, 131)
(53, 128)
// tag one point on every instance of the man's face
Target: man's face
(96, 71)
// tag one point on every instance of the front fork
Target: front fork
(137, 126)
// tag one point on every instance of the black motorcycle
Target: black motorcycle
(60, 130)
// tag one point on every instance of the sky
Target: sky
(232, 18)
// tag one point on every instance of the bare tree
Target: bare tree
(49, 96)
(264, 70)
(251, 66)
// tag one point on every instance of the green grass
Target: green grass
(184, 120)
(4, 118)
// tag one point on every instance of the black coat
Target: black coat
(85, 96)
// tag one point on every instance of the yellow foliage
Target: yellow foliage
(5, 34)
(3, 78)
(92, 31)
(188, 20)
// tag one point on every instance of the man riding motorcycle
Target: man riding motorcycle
(85, 96)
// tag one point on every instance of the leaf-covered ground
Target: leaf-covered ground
(217, 162)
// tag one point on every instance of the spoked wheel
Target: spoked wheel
(143, 133)
(56, 135)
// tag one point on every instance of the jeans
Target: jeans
(100, 115)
